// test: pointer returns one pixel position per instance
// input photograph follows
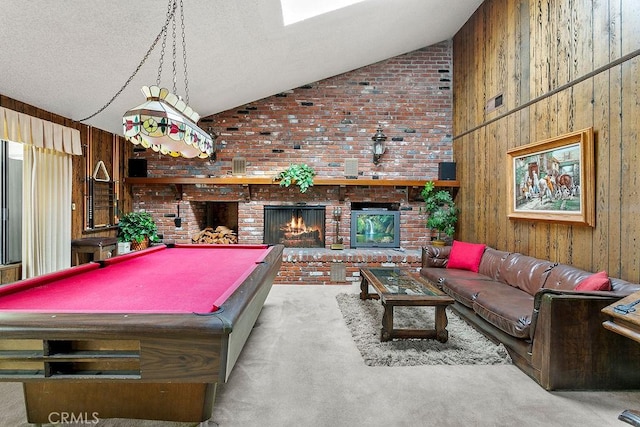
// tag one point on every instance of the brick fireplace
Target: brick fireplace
(196, 203)
(308, 265)
(323, 124)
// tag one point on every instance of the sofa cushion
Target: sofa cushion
(596, 282)
(622, 287)
(506, 307)
(439, 275)
(565, 277)
(525, 272)
(465, 291)
(466, 256)
(491, 261)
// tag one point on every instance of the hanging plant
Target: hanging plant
(299, 174)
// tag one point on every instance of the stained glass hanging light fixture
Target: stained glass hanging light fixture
(165, 122)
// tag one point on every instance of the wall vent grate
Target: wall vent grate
(351, 167)
(239, 166)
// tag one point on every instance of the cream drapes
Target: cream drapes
(46, 195)
(19, 127)
(46, 204)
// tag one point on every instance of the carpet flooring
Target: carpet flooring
(465, 345)
(301, 368)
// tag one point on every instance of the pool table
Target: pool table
(145, 335)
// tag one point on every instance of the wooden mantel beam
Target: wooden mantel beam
(260, 180)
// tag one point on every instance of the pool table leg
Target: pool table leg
(184, 402)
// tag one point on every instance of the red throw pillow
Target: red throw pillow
(596, 282)
(465, 256)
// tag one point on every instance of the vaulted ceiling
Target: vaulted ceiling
(71, 57)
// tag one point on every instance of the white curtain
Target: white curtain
(20, 127)
(46, 197)
(46, 226)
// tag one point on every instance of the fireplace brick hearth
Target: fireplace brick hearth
(313, 266)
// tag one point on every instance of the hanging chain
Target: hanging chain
(175, 73)
(170, 10)
(146, 55)
(184, 54)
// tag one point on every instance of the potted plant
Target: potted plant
(139, 228)
(441, 210)
(299, 174)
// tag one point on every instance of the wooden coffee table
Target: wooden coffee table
(398, 287)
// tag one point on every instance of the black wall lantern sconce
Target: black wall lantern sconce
(213, 157)
(378, 145)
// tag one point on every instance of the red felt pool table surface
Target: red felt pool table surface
(145, 335)
(183, 279)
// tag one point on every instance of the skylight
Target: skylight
(298, 10)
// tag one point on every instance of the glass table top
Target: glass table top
(399, 281)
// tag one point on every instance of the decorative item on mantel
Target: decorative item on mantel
(299, 174)
(441, 210)
(337, 244)
(166, 123)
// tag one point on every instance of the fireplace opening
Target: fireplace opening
(217, 222)
(221, 214)
(375, 225)
(295, 226)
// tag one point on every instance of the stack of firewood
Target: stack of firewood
(220, 236)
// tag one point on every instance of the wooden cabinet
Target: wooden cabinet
(10, 273)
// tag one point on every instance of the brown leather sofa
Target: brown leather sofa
(552, 332)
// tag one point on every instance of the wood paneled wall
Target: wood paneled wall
(96, 145)
(561, 66)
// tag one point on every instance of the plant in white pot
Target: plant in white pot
(441, 210)
(139, 228)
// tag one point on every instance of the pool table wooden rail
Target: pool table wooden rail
(169, 364)
(166, 347)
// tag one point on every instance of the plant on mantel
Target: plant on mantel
(299, 174)
(441, 210)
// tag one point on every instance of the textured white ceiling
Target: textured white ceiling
(71, 56)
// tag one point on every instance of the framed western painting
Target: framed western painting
(553, 180)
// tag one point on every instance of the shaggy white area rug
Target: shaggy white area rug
(465, 346)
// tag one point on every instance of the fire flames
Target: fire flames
(297, 226)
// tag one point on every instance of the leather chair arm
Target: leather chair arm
(435, 256)
(609, 297)
(571, 348)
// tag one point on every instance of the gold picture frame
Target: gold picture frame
(553, 180)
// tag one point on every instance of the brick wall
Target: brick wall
(321, 124)
(409, 96)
